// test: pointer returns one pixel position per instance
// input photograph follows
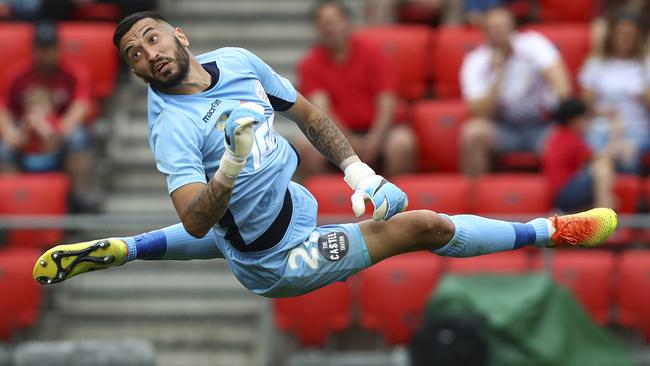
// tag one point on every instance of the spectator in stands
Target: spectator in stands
(576, 178)
(351, 81)
(509, 84)
(43, 104)
(616, 86)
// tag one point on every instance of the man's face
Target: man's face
(156, 52)
(332, 26)
(498, 27)
(624, 38)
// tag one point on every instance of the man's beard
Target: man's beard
(182, 59)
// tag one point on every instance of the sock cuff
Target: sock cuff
(542, 234)
(456, 246)
(133, 249)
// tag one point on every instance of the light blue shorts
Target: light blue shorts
(307, 258)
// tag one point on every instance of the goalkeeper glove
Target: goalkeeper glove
(238, 139)
(386, 198)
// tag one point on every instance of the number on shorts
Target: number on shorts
(310, 258)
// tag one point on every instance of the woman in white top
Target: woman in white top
(616, 86)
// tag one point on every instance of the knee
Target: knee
(476, 131)
(401, 141)
(602, 168)
(429, 224)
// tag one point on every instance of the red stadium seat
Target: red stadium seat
(633, 295)
(572, 40)
(25, 293)
(15, 44)
(34, 194)
(627, 190)
(450, 46)
(589, 275)
(437, 125)
(511, 262)
(567, 11)
(404, 45)
(92, 11)
(511, 194)
(91, 44)
(519, 161)
(314, 316)
(331, 193)
(448, 194)
(394, 293)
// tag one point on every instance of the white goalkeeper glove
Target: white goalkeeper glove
(238, 140)
(386, 198)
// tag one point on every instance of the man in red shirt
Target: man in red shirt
(43, 104)
(351, 81)
(576, 178)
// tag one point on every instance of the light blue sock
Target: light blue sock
(476, 235)
(171, 243)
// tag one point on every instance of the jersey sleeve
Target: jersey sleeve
(589, 74)
(380, 66)
(543, 53)
(176, 147)
(309, 80)
(474, 82)
(280, 91)
(81, 76)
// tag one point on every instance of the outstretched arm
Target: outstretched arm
(387, 199)
(326, 137)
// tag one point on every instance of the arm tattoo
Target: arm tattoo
(327, 139)
(207, 207)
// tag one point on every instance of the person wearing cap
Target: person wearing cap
(576, 177)
(43, 106)
(616, 86)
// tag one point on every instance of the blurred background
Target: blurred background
(458, 103)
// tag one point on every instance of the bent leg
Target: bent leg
(455, 236)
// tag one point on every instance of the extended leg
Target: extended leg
(170, 243)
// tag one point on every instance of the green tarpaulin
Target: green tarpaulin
(529, 320)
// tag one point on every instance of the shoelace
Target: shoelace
(571, 230)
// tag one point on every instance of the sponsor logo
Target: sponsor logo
(333, 246)
(213, 108)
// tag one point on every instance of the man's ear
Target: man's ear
(139, 76)
(181, 36)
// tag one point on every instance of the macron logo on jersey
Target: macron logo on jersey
(213, 107)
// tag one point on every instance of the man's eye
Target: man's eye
(153, 39)
(135, 55)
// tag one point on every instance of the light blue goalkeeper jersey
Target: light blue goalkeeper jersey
(186, 136)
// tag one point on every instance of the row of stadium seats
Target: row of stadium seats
(493, 194)
(33, 194)
(549, 10)
(87, 43)
(490, 195)
(21, 295)
(392, 295)
(437, 55)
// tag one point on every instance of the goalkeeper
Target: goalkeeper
(210, 121)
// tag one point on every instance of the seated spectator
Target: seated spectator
(350, 80)
(43, 104)
(509, 84)
(616, 86)
(577, 179)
